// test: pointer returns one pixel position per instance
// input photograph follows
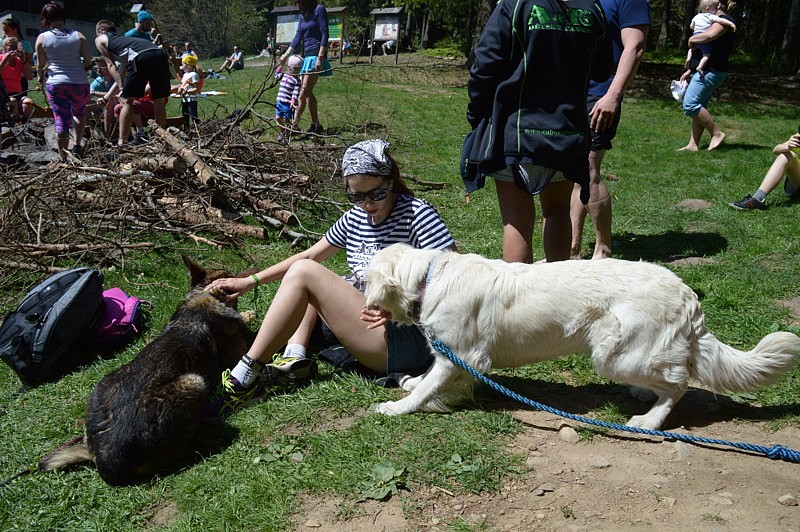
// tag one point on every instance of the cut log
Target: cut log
(205, 174)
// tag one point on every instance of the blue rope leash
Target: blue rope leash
(775, 451)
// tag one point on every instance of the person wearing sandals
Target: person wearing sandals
(786, 163)
(311, 296)
(312, 31)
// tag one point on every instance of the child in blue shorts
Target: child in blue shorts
(286, 101)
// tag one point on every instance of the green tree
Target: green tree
(213, 26)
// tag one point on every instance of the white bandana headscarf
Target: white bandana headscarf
(367, 157)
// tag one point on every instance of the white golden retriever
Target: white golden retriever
(641, 324)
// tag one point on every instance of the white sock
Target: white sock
(295, 351)
(247, 370)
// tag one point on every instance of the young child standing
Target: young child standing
(188, 90)
(706, 16)
(286, 101)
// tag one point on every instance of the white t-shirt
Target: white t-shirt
(702, 21)
(194, 78)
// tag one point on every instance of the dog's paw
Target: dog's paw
(387, 409)
(248, 316)
(643, 422)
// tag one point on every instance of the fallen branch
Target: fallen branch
(204, 172)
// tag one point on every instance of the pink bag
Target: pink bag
(121, 318)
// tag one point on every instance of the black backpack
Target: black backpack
(55, 322)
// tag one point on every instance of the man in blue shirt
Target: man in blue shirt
(143, 27)
(628, 24)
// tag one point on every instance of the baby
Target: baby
(286, 101)
(700, 23)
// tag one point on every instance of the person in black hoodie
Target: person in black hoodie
(527, 107)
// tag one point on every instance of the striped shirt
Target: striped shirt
(412, 221)
(289, 89)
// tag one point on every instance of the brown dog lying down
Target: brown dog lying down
(142, 418)
(641, 324)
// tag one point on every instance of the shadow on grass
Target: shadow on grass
(742, 146)
(698, 408)
(668, 246)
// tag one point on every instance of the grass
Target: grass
(320, 440)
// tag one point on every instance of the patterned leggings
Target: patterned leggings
(67, 100)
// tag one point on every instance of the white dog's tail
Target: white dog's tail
(726, 369)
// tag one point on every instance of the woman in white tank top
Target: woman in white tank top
(63, 58)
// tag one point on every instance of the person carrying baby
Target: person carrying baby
(706, 16)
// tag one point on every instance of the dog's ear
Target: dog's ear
(197, 274)
(384, 289)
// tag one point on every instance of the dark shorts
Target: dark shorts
(602, 140)
(407, 347)
(150, 66)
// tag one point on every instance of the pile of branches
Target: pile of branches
(223, 186)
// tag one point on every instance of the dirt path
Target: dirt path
(616, 481)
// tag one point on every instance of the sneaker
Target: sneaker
(748, 203)
(77, 151)
(138, 139)
(317, 129)
(230, 396)
(294, 368)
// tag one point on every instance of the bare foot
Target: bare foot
(688, 147)
(716, 141)
(601, 253)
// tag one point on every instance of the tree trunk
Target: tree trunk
(690, 10)
(787, 63)
(426, 19)
(484, 12)
(666, 17)
(766, 25)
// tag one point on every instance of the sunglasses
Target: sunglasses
(376, 194)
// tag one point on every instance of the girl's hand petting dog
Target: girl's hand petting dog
(376, 316)
(233, 287)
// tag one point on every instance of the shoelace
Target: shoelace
(225, 385)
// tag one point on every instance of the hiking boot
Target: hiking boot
(291, 368)
(230, 396)
(317, 129)
(748, 203)
(78, 151)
